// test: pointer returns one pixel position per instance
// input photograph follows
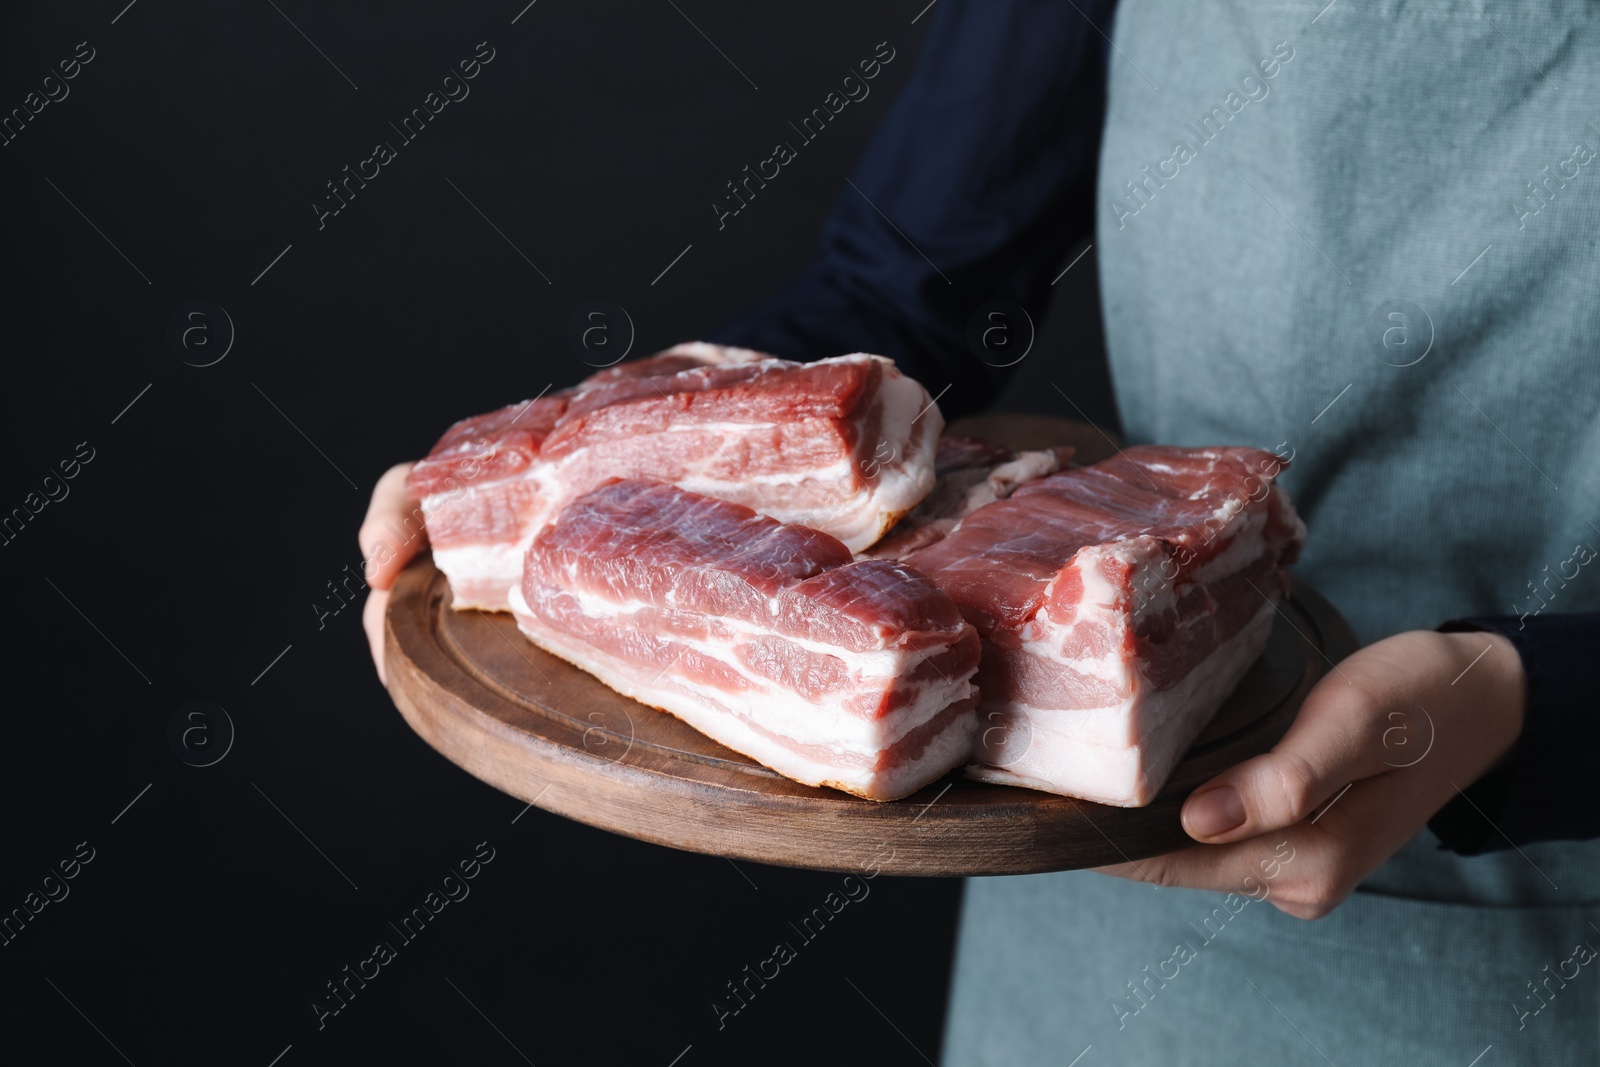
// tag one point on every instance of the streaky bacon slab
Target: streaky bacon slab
(767, 637)
(844, 445)
(1118, 605)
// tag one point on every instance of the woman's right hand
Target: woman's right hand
(391, 535)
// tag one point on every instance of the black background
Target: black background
(195, 546)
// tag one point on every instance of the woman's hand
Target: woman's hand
(390, 536)
(1381, 744)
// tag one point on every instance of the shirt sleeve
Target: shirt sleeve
(1544, 789)
(973, 189)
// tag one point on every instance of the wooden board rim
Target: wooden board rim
(719, 805)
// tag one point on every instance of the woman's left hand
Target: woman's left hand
(1380, 745)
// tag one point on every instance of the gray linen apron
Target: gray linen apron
(1369, 233)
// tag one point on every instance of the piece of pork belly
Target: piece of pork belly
(845, 445)
(968, 473)
(1119, 604)
(767, 637)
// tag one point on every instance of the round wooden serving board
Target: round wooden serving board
(542, 730)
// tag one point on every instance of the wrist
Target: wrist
(1490, 677)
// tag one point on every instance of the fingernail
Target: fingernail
(1216, 811)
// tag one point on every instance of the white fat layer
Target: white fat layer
(826, 722)
(716, 353)
(1027, 467)
(502, 561)
(1231, 506)
(735, 726)
(1244, 549)
(911, 425)
(834, 472)
(1036, 747)
(1283, 507)
(480, 575)
(442, 503)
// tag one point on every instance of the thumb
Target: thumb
(1331, 744)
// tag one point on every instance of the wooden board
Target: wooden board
(541, 730)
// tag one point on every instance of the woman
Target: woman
(1363, 234)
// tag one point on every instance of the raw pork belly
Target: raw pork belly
(1118, 604)
(844, 445)
(769, 638)
(968, 474)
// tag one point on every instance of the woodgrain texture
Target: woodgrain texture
(541, 730)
